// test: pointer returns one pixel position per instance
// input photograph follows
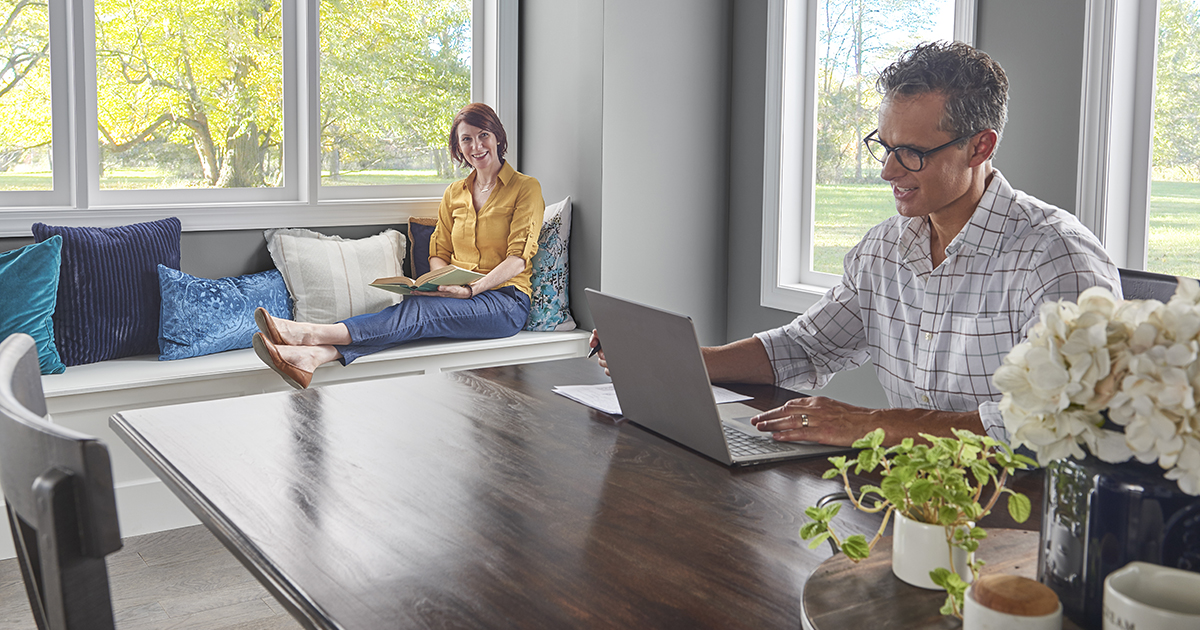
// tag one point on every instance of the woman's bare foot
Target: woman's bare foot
(285, 332)
(308, 358)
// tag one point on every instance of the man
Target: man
(937, 295)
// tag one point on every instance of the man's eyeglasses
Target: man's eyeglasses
(909, 158)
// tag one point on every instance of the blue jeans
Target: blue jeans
(490, 315)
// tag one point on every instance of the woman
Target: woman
(488, 222)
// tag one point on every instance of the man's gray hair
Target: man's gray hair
(975, 86)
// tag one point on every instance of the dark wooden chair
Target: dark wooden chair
(1146, 285)
(59, 493)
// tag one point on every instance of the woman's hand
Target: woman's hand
(594, 343)
(459, 291)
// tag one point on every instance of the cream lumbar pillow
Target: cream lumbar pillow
(328, 276)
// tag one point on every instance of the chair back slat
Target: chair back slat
(1147, 285)
(58, 488)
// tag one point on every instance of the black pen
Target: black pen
(595, 349)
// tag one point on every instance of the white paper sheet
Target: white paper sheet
(603, 397)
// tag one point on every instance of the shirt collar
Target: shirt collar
(984, 233)
(506, 174)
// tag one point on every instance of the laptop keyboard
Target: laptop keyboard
(741, 444)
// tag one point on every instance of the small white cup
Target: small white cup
(1151, 597)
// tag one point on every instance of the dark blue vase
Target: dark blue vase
(1097, 517)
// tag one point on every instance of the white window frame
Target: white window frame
(789, 165)
(301, 202)
(60, 131)
(1116, 126)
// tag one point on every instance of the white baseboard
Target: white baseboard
(143, 507)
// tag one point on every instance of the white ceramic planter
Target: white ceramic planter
(918, 548)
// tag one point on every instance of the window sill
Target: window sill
(240, 216)
(794, 298)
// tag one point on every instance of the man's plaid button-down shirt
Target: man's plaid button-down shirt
(936, 336)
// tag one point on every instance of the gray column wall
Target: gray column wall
(665, 167)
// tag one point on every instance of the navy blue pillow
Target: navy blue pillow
(108, 288)
(420, 229)
(201, 316)
(29, 282)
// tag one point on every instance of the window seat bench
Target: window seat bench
(83, 398)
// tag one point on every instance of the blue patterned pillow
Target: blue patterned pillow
(550, 309)
(201, 316)
(108, 288)
(29, 280)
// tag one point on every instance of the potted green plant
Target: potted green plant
(940, 486)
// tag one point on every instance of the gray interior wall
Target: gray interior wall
(1039, 44)
(562, 87)
(665, 167)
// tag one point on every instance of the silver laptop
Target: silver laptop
(662, 385)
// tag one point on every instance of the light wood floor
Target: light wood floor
(170, 580)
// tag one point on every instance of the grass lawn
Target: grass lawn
(26, 181)
(845, 213)
(1174, 246)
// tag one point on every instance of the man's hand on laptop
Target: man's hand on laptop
(597, 351)
(818, 419)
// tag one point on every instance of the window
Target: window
(1174, 218)
(267, 113)
(822, 190)
(32, 139)
(1122, 156)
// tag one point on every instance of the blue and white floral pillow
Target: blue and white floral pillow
(550, 308)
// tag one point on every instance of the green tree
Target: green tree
(393, 75)
(24, 78)
(856, 39)
(202, 72)
(1176, 117)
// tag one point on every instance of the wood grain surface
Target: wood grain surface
(480, 499)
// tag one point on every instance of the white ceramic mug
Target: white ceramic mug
(1151, 597)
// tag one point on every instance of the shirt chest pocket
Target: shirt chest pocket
(978, 345)
(494, 225)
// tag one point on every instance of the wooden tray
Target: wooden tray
(841, 594)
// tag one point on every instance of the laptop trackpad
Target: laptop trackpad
(738, 415)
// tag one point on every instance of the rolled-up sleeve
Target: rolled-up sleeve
(526, 220)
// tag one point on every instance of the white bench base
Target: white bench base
(85, 396)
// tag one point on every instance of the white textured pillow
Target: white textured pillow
(328, 276)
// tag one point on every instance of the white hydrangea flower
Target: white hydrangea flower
(1136, 358)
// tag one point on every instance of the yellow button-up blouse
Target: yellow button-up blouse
(507, 225)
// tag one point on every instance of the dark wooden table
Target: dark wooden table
(481, 499)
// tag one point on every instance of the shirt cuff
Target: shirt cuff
(993, 421)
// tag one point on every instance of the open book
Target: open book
(428, 282)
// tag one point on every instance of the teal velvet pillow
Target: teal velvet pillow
(201, 316)
(29, 282)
